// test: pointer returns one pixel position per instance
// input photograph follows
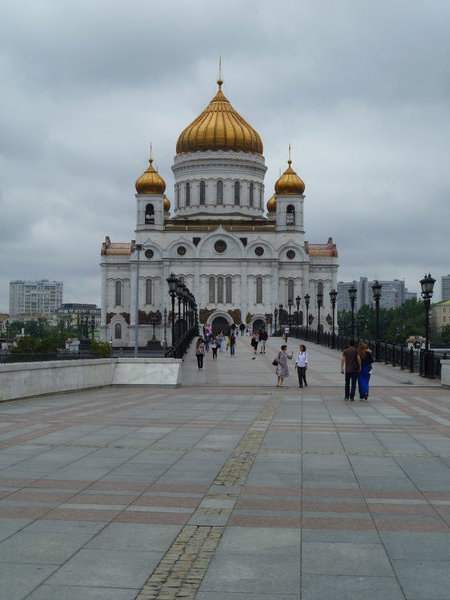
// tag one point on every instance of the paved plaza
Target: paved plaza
(229, 488)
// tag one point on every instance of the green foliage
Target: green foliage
(101, 349)
(31, 345)
(396, 324)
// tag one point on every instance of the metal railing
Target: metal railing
(426, 363)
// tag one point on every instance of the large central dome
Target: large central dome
(219, 127)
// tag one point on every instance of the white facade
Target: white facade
(239, 261)
(42, 297)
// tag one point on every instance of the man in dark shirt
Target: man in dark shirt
(350, 365)
(262, 340)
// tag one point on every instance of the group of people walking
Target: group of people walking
(217, 343)
(356, 363)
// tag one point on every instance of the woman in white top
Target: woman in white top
(301, 364)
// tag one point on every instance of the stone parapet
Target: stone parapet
(22, 380)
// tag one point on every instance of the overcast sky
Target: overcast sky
(359, 88)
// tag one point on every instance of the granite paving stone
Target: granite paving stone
(228, 488)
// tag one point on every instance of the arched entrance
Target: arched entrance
(258, 324)
(219, 324)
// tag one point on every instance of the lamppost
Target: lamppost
(280, 315)
(427, 284)
(333, 298)
(307, 297)
(290, 303)
(376, 291)
(319, 304)
(165, 328)
(138, 249)
(275, 314)
(180, 287)
(173, 285)
(352, 295)
(297, 317)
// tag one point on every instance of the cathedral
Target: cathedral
(240, 256)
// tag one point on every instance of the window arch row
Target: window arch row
(220, 289)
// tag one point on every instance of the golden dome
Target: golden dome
(271, 205)
(219, 127)
(289, 183)
(166, 203)
(150, 182)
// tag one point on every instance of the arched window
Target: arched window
(237, 193)
(219, 192)
(118, 294)
(261, 198)
(290, 215)
(220, 290)
(259, 290)
(188, 194)
(202, 192)
(291, 290)
(212, 290)
(149, 214)
(228, 292)
(320, 288)
(177, 195)
(118, 331)
(148, 291)
(250, 195)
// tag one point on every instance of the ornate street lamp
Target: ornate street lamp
(297, 304)
(319, 304)
(307, 297)
(275, 314)
(290, 303)
(280, 315)
(333, 298)
(352, 291)
(180, 288)
(376, 291)
(297, 316)
(138, 248)
(427, 285)
(173, 285)
(165, 328)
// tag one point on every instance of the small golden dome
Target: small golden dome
(219, 127)
(271, 205)
(150, 182)
(289, 183)
(166, 203)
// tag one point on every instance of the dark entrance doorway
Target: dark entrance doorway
(220, 324)
(258, 324)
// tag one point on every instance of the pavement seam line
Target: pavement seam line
(180, 572)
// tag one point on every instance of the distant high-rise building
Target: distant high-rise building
(393, 294)
(445, 287)
(42, 297)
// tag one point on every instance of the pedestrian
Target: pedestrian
(301, 364)
(207, 340)
(221, 341)
(200, 351)
(350, 365)
(232, 343)
(286, 334)
(254, 342)
(282, 369)
(366, 358)
(214, 345)
(242, 328)
(262, 340)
